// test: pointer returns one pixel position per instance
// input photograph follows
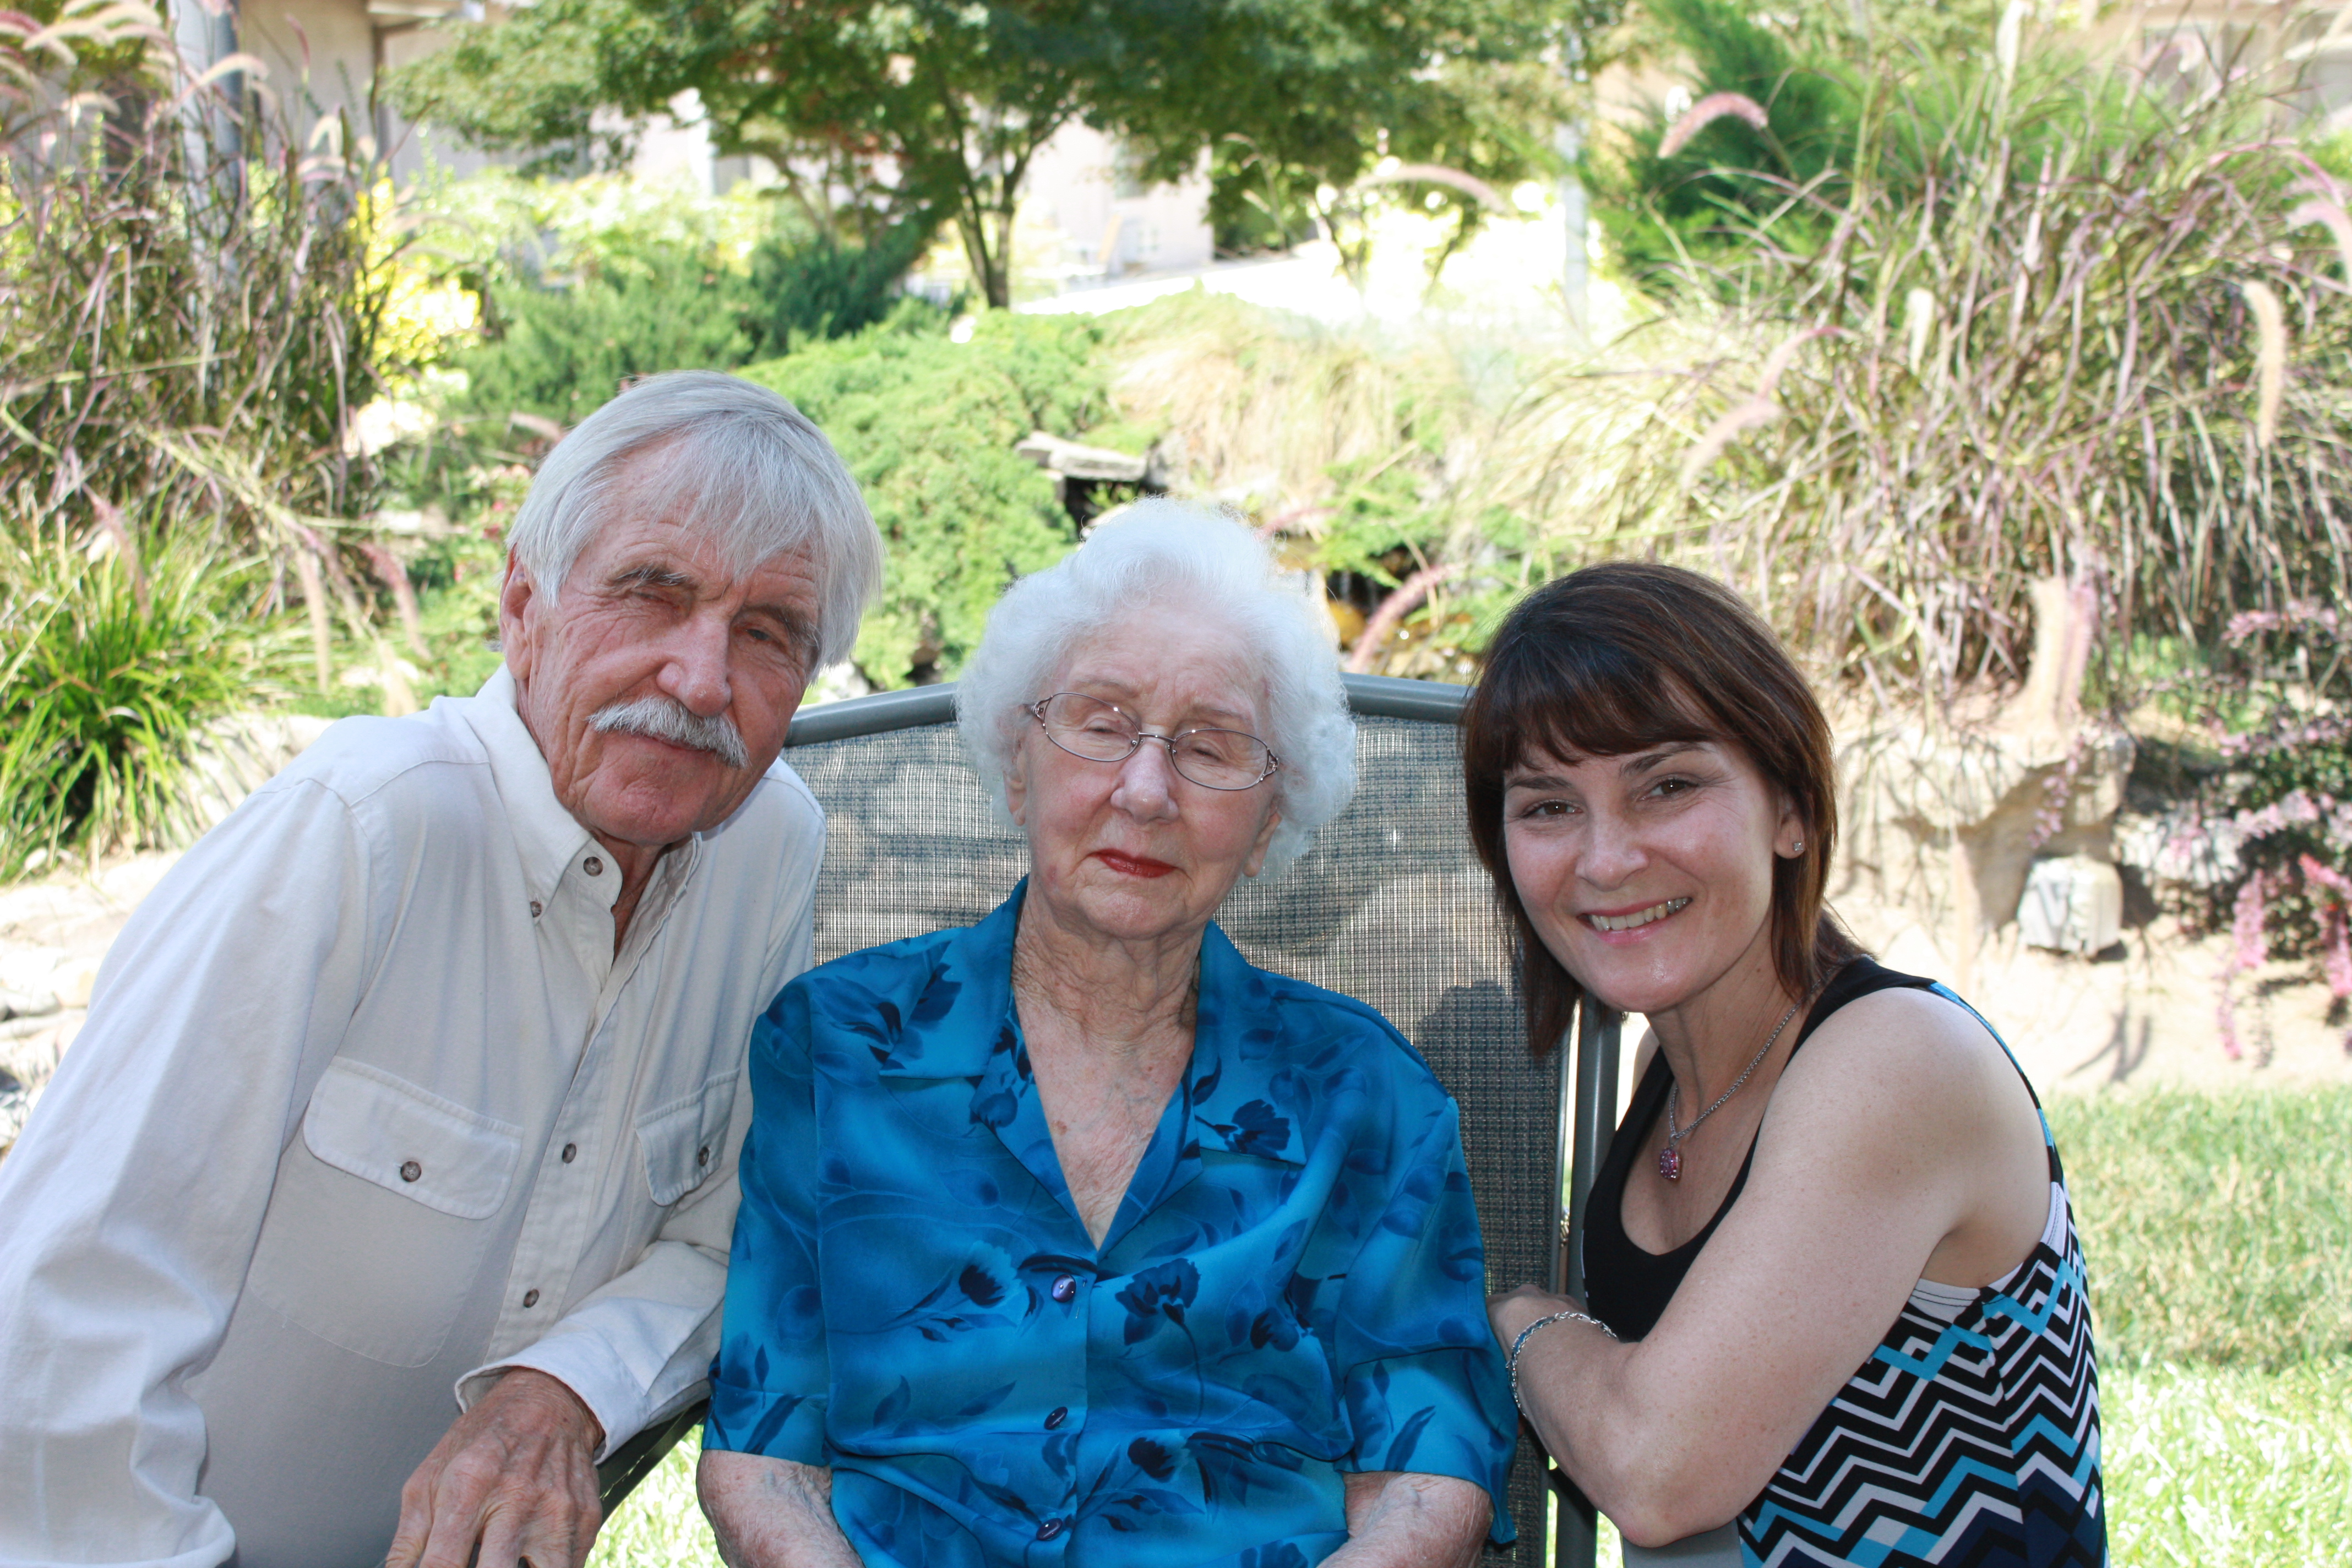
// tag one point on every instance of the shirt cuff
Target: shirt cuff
(619, 1407)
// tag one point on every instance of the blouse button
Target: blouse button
(537, 908)
(1050, 1529)
(410, 1170)
(1066, 1288)
(703, 1155)
(1060, 1414)
(592, 866)
(530, 1298)
(571, 1152)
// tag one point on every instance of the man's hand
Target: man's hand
(516, 1474)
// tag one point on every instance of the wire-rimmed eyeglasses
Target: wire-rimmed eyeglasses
(1100, 732)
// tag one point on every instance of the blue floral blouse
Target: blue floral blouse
(1293, 1288)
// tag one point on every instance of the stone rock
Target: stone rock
(1949, 817)
(2071, 904)
(75, 980)
(27, 1004)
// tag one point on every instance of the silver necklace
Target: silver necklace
(1670, 1159)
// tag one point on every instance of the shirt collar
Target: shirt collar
(1240, 1093)
(548, 837)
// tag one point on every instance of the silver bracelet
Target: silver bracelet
(1570, 1316)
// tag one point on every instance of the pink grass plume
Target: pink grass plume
(1705, 112)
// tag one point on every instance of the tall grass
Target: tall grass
(2047, 325)
(190, 302)
(109, 667)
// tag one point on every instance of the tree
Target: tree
(880, 113)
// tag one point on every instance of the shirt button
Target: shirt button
(1066, 1288)
(703, 1155)
(1050, 1529)
(571, 1152)
(592, 866)
(410, 1170)
(1061, 1413)
(534, 909)
(530, 1298)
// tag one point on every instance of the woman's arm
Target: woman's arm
(1397, 1519)
(1900, 1144)
(772, 1513)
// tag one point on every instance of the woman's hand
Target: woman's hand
(771, 1513)
(1397, 1519)
(1512, 1310)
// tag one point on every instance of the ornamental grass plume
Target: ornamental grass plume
(2249, 950)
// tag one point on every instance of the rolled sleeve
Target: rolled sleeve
(769, 1386)
(1421, 1377)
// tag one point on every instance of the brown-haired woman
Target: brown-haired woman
(1837, 1309)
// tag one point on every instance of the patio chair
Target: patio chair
(1389, 906)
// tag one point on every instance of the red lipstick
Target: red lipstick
(1133, 865)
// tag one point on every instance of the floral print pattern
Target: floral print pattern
(1291, 1290)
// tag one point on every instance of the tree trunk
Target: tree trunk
(992, 267)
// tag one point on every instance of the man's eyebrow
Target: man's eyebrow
(652, 575)
(796, 624)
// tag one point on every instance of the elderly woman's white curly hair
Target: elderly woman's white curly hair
(1189, 562)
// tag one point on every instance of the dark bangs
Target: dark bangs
(1624, 657)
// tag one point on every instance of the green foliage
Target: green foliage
(804, 288)
(927, 427)
(2214, 1226)
(564, 352)
(1659, 211)
(586, 283)
(109, 667)
(931, 111)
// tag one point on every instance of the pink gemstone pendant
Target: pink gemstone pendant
(1670, 1164)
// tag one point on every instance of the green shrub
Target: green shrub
(562, 352)
(927, 427)
(2214, 1226)
(108, 669)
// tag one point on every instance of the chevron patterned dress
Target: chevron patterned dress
(1970, 1436)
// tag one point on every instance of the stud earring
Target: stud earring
(1800, 849)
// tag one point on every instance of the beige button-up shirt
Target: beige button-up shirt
(366, 1110)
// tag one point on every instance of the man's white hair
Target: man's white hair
(738, 463)
(1202, 566)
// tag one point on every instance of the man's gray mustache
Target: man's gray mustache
(666, 719)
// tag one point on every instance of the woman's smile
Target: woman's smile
(1622, 922)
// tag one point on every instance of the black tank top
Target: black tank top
(1627, 1288)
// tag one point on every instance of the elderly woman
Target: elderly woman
(1071, 1236)
(1837, 1312)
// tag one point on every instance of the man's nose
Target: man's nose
(696, 670)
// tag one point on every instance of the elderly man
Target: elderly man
(423, 1071)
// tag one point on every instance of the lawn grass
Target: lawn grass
(2217, 1229)
(2219, 1234)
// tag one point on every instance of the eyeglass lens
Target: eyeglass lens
(1089, 727)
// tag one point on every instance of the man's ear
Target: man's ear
(517, 601)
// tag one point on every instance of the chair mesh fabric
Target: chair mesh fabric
(1390, 907)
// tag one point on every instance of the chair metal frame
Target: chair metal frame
(1588, 1099)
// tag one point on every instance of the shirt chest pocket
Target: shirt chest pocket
(378, 1233)
(685, 1140)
